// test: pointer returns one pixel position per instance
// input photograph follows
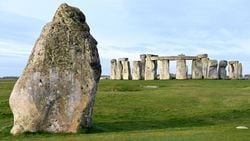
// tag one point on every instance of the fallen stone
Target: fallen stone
(56, 90)
(241, 127)
(151, 87)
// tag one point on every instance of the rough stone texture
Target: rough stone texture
(222, 70)
(181, 70)
(240, 71)
(164, 70)
(136, 70)
(56, 90)
(113, 69)
(212, 69)
(197, 69)
(204, 67)
(143, 64)
(151, 68)
(235, 70)
(126, 72)
(119, 70)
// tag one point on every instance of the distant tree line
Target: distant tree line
(9, 77)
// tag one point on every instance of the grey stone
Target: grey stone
(113, 69)
(197, 67)
(119, 69)
(164, 70)
(126, 72)
(136, 70)
(57, 88)
(222, 70)
(151, 68)
(212, 69)
(143, 64)
(204, 67)
(240, 71)
(181, 70)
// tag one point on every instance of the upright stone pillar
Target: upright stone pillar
(119, 69)
(113, 69)
(204, 60)
(240, 71)
(212, 69)
(151, 68)
(234, 70)
(197, 69)
(164, 70)
(143, 64)
(136, 70)
(222, 69)
(181, 70)
(126, 73)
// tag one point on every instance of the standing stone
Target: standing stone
(56, 90)
(151, 68)
(212, 69)
(136, 71)
(181, 70)
(143, 64)
(119, 70)
(126, 73)
(113, 69)
(204, 59)
(197, 67)
(235, 70)
(240, 71)
(222, 69)
(164, 70)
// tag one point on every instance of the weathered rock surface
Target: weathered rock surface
(222, 69)
(164, 70)
(212, 69)
(57, 89)
(150, 68)
(204, 67)
(136, 70)
(126, 73)
(143, 65)
(197, 68)
(181, 70)
(235, 70)
(119, 70)
(113, 69)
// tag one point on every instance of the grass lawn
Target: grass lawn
(188, 110)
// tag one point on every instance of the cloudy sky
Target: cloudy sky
(127, 28)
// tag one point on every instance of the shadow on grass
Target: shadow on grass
(196, 121)
(123, 126)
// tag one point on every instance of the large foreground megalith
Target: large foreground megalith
(57, 88)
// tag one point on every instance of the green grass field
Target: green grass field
(188, 110)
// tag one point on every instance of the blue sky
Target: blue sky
(127, 28)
